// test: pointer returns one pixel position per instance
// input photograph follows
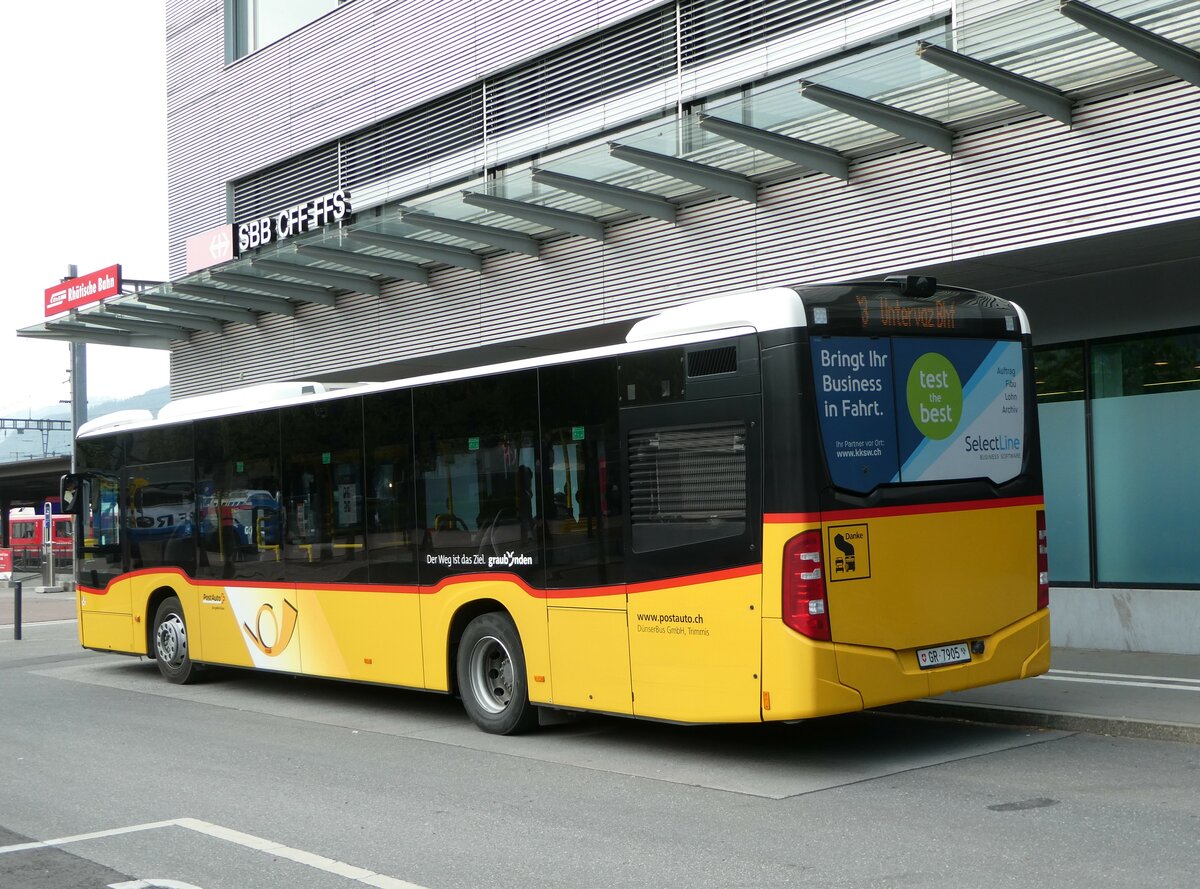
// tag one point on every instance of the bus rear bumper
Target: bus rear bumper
(803, 679)
(881, 676)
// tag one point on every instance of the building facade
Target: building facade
(421, 185)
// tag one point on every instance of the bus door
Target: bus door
(581, 519)
(693, 554)
(98, 543)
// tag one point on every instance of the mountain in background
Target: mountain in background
(150, 401)
(31, 444)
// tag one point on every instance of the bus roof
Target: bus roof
(732, 314)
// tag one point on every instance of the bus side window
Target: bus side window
(477, 454)
(390, 511)
(580, 479)
(322, 509)
(160, 516)
(237, 497)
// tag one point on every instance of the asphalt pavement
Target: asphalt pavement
(1122, 693)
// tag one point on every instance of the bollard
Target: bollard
(16, 588)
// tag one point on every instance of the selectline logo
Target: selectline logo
(935, 396)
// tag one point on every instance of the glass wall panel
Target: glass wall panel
(324, 538)
(1146, 420)
(1064, 477)
(237, 497)
(259, 22)
(1146, 366)
(1060, 375)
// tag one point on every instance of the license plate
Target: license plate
(943, 655)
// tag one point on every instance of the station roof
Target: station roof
(29, 482)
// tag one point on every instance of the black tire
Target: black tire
(491, 676)
(171, 645)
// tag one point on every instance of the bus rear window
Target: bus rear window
(907, 409)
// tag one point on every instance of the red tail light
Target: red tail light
(805, 608)
(1043, 563)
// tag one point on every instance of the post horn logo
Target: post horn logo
(278, 634)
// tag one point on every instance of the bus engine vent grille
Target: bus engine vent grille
(706, 362)
(687, 484)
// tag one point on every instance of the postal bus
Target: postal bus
(765, 506)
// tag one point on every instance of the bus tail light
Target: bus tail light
(1043, 563)
(805, 608)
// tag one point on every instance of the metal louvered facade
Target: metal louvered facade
(901, 210)
(244, 144)
(597, 69)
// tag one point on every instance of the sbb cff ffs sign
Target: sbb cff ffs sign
(83, 291)
(332, 207)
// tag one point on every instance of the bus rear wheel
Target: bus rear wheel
(171, 643)
(491, 676)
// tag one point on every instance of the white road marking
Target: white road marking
(318, 862)
(1169, 683)
(28, 624)
(1139, 676)
(79, 838)
(152, 884)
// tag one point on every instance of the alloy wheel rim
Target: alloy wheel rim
(170, 641)
(491, 675)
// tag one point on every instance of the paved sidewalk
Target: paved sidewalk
(1134, 694)
(35, 606)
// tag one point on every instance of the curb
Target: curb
(1071, 722)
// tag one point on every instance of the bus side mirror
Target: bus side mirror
(68, 491)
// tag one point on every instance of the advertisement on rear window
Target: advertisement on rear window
(919, 410)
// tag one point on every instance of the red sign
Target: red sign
(209, 248)
(83, 291)
(5, 564)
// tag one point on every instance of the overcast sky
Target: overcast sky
(85, 120)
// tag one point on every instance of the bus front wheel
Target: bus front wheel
(171, 643)
(491, 676)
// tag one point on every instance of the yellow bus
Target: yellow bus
(764, 506)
